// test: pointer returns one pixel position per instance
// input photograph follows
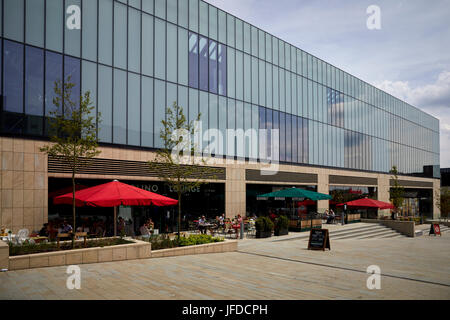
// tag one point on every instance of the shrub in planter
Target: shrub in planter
(281, 226)
(264, 227)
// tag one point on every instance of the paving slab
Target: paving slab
(411, 268)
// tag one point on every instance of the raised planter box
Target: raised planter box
(353, 217)
(137, 250)
(304, 225)
(263, 234)
(281, 232)
(406, 228)
(216, 247)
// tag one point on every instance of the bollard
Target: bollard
(242, 230)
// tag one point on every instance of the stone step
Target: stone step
(392, 235)
(361, 233)
(379, 234)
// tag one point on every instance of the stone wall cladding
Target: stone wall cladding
(133, 251)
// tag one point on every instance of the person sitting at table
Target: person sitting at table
(145, 232)
(331, 217)
(201, 225)
(150, 225)
(99, 229)
(44, 232)
(66, 227)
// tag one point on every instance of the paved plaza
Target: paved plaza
(411, 268)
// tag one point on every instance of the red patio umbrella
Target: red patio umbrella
(113, 194)
(66, 190)
(368, 203)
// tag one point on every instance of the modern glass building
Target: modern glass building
(137, 57)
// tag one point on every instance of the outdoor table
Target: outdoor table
(209, 227)
(61, 235)
(39, 239)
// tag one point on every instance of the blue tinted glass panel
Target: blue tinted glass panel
(160, 8)
(53, 73)
(13, 23)
(147, 44)
(13, 77)
(134, 40)
(35, 22)
(172, 62)
(160, 111)
(183, 56)
(222, 60)
(193, 15)
(72, 37)
(134, 109)
(105, 27)
(203, 49)
(34, 81)
(147, 112)
(148, 5)
(288, 138)
(172, 10)
(213, 76)
(13, 87)
(299, 139)
(120, 35)
(89, 30)
(120, 107)
(282, 136)
(305, 141)
(105, 101)
(193, 60)
(294, 140)
(183, 13)
(72, 75)
(34, 90)
(160, 49)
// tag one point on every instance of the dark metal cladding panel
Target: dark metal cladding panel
(115, 168)
(406, 183)
(282, 176)
(353, 180)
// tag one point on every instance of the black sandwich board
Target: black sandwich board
(319, 239)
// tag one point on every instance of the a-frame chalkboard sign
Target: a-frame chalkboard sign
(319, 239)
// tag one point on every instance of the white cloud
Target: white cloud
(433, 98)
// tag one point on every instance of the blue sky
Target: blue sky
(409, 57)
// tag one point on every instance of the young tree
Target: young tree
(176, 163)
(396, 191)
(72, 130)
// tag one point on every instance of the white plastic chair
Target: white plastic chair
(22, 235)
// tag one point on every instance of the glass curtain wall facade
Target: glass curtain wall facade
(139, 56)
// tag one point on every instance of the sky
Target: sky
(408, 57)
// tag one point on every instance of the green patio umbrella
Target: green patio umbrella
(296, 193)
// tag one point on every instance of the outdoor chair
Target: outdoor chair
(251, 229)
(229, 230)
(22, 235)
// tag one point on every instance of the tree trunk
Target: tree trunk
(179, 213)
(73, 209)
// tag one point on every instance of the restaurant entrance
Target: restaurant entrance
(207, 199)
